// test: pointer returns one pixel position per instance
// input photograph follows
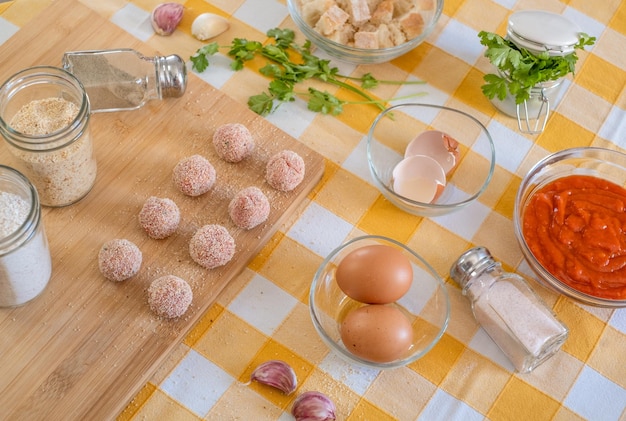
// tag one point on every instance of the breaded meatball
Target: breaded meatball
(169, 296)
(159, 217)
(233, 142)
(119, 259)
(285, 170)
(212, 246)
(194, 175)
(249, 208)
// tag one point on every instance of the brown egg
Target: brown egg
(378, 333)
(375, 274)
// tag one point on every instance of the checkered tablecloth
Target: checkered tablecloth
(263, 313)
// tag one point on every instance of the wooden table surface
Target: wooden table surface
(263, 313)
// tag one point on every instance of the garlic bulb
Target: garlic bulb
(313, 406)
(276, 373)
(166, 17)
(208, 25)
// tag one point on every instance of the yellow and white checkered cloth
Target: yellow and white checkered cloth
(263, 313)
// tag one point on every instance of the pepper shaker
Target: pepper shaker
(124, 79)
(520, 323)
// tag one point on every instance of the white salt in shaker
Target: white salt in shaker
(25, 264)
(520, 323)
(124, 79)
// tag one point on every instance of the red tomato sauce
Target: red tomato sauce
(575, 227)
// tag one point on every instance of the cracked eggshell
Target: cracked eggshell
(420, 178)
(208, 25)
(437, 145)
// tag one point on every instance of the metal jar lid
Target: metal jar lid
(172, 75)
(471, 263)
(539, 31)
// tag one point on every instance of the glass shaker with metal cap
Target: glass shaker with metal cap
(124, 79)
(538, 32)
(511, 313)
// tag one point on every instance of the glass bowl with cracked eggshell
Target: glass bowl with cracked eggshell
(429, 160)
(377, 303)
(570, 222)
(366, 32)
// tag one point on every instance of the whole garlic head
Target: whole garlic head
(208, 25)
(166, 17)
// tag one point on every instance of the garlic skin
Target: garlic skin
(276, 373)
(208, 25)
(313, 406)
(166, 17)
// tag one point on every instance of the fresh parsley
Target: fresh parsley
(520, 69)
(290, 64)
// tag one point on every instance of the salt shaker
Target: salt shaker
(520, 323)
(538, 32)
(124, 79)
(25, 262)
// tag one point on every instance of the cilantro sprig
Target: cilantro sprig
(522, 70)
(290, 64)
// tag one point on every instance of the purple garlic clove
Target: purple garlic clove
(166, 17)
(313, 406)
(276, 373)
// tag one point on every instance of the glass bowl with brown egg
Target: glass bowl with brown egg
(377, 303)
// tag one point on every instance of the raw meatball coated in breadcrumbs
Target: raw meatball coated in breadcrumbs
(233, 142)
(194, 175)
(159, 217)
(249, 208)
(119, 259)
(169, 296)
(285, 170)
(212, 246)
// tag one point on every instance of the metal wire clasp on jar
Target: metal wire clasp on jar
(538, 32)
(532, 114)
(44, 118)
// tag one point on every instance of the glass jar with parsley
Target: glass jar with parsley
(539, 50)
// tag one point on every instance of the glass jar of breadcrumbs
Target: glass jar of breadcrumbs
(44, 118)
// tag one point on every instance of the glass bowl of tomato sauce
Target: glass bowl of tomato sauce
(570, 222)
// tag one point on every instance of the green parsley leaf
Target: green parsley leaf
(200, 60)
(368, 81)
(282, 90)
(495, 87)
(324, 102)
(520, 70)
(262, 104)
(286, 72)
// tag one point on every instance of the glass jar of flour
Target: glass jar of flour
(44, 118)
(25, 263)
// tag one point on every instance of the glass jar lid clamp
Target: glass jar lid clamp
(539, 31)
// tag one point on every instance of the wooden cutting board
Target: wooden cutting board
(86, 346)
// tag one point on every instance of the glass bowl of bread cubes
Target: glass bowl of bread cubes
(365, 31)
